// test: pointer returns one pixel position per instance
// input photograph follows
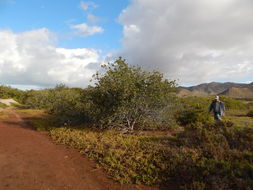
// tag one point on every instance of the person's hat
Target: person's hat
(216, 97)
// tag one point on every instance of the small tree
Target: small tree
(68, 106)
(126, 96)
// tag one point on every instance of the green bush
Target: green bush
(68, 105)
(221, 136)
(225, 155)
(194, 110)
(231, 103)
(192, 116)
(125, 96)
(38, 99)
(9, 92)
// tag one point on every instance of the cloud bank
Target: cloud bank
(32, 58)
(193, 41)
(86, 30)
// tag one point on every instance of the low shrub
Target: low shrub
(9, 92)
(193, 110)
(37, 99)
(68, 105)
(210, 156)
(220, 136)
(225, 154)
(129, 159)
(249, 105)
(231, 103)
(192, 116)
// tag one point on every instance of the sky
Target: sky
(48, 42)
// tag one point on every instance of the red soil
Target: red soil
(29, 160)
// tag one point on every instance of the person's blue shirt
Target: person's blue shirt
(217, 107)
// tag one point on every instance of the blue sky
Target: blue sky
(58, 15)
(47, 42)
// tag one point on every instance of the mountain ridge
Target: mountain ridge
(230, 89)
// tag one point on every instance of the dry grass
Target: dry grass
(239, 118)
(32, 112)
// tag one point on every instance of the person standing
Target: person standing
(218, 108)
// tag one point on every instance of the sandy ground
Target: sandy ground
(29, 160)
(8, 102)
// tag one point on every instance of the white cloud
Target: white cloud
(193, 41)
(32, 58)
(86, 5)
(92, 18)
(86, 30)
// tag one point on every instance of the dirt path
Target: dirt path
(29, 160)
(8, 102)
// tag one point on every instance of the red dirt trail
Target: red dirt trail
(29, 160)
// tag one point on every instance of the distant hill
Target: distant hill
(230, 89)
(245, 93)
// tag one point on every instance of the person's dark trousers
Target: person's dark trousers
(217, 116)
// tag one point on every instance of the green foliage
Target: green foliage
(226, 154)
(221, 136)
(211, 156)
(231, 103)
(195, 185)
(249, 104)
(68, 105)
(37, 99)
(127, 158)
(194, 110)
(125, 96)
(8, 92)
(193, 115)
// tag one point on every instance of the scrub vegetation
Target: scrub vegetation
(215, 156)
(2, 105)
(133, 124)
